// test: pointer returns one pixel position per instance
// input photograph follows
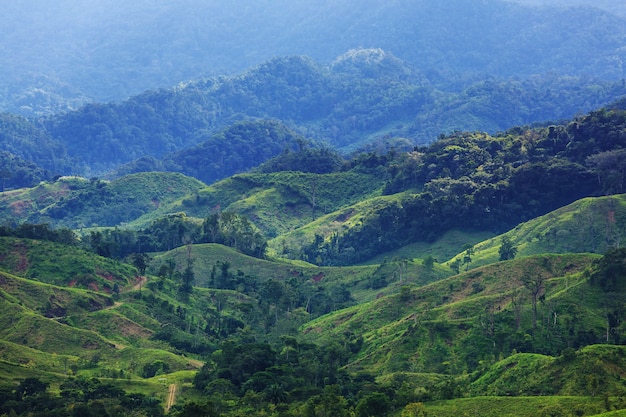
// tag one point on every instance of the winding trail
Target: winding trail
(171, 397)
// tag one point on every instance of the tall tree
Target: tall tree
(534, 283)
(507, 250)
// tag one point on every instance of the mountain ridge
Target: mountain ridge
(149, 46)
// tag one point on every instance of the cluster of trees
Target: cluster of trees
(16, 172)
(174, 230)
(297, 378)
(78, 397)
(474, 180)
(41, 232)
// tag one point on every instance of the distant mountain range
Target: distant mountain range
(365, 99)
(57, 56)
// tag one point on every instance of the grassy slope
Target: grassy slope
(588, 225)
(62, 265)
(282, 201)
(517, 406)
(337, 221)
(444, 248)
(395, 328)
(573, 374)
(356, 278)
(77, 202)
(64, 320)
(386, 323)
(26, 202)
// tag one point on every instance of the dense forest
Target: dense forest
(477, 181)
(365, 96)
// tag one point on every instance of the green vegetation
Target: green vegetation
(378, 286)
(589, 225)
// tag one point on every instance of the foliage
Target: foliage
(481, 182)
(610, 270)
(507, 250)
(60, 264)
(236, 149)
(210, 128)
(78, 203)
(589, 225)
(18, 173)
(492, 38)
(79, 396)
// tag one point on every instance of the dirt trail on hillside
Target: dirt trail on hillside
(140, 283)
(171, 397)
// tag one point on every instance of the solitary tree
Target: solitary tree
(507, 250)
(467, 257)
(534, 283)
(428, 263)
(140, 261)
(456, 265)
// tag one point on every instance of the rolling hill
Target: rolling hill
(371, 315)
(460, 335)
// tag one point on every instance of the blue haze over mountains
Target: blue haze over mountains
(67, 52)
(175, 73)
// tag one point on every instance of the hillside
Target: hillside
(321, 103)
(399, 327)
(315, 285)
(429, 329)
(77, 202)
(592, 225)
(309, 204)
(366, 96)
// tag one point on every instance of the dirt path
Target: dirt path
(140, 282)
(171, 397)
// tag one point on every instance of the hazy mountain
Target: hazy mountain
(56, 55)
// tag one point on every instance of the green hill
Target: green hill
(398, 327)
(282, 201)
(591, 225)
(363, 318)
(455, 323)
(63, 265)
(77, 202)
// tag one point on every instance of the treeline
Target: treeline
(77, 397)
(176, 230)
(41, 232)
(478, 181)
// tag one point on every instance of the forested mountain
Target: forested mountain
(60, 55)
(365, 96)
(341, 212)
